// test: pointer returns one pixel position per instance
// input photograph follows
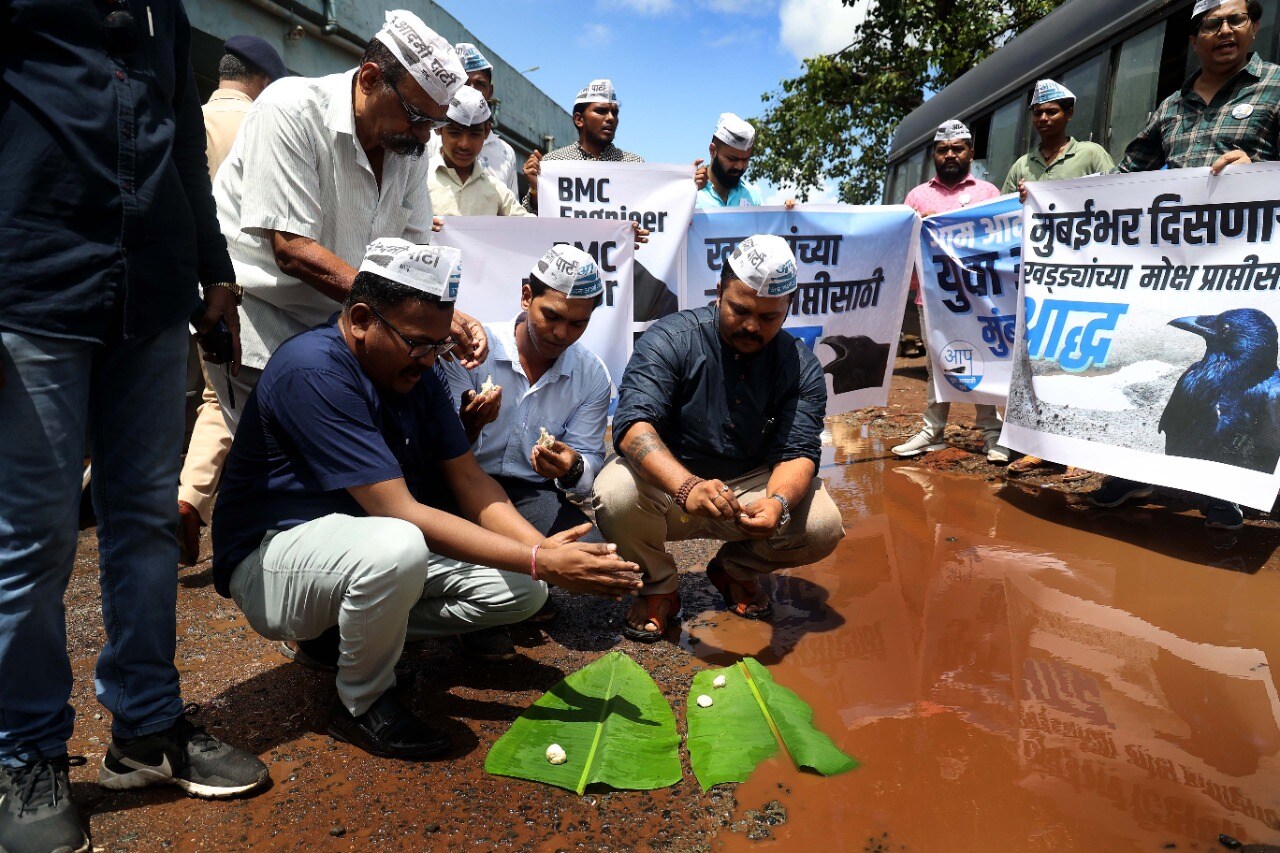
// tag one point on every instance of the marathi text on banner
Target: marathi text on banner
(854, 264)
(970, 265)
(1147, 343)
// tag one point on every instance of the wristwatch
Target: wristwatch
(574, 474)
(237, 290)
(786, 509)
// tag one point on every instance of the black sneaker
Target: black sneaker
(1117, 490)
(1221, 515)
(37, 814)
(490, 644)
(184, 755)
(387, 730)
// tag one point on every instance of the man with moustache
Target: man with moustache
(322, 168)
(951, 188)
(1227, 113)
(718, 432)
(325, 534)
(1057, 156)
(730, 149)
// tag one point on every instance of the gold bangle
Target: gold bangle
(237, 290)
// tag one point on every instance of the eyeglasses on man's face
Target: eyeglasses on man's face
(418, 349)
(416, 117)
(1238, 21)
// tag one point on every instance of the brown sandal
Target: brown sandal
(656, 613)
(751, 594)
(1026, 464)
(1075, 475)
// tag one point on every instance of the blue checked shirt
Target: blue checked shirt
(571, 400)
(1185, 132)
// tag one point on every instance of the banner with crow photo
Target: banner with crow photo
(1147, 339)
(969, 267)
(658, 197)
(854, 271)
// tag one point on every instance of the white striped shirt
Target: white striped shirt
(298, 167)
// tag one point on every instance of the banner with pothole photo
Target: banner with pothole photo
(658, 197)
(969, 261)
(854, 269)
(1147, 339)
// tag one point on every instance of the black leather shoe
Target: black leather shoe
(387, 730)
(489, 644)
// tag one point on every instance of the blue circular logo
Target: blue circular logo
(962, 365)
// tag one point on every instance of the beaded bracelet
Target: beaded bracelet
(686, 487)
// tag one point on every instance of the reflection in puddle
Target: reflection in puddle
(1014, 672)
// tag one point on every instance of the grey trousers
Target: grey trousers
(639, 517)
(376, 579)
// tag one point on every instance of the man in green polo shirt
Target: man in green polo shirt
(1057, 156)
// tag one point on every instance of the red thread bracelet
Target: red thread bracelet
(533, 562)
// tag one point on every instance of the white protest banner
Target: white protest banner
(1147, 343)
(498, 253)
(854, 271)
(656, 196)
(969, 266)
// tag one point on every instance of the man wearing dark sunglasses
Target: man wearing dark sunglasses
(323, 167)
(107, 224)
(326, 533)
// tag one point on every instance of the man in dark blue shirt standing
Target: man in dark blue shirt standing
(323, 533)
(718, 431)
(107, 224)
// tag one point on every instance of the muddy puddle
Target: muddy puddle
(1018, 671)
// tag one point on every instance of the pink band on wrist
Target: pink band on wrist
(533, 563)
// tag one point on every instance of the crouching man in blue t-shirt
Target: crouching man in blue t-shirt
(322, 525)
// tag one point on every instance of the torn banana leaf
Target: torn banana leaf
(613, 723)
(750, 717)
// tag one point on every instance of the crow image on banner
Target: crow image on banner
(499, 251)
(1147, 343)
(969, 268)
(854, 271)
(655, 196)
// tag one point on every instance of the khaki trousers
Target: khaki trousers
(206, 453)
(640, 517)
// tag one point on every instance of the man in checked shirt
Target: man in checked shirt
(1227, 112)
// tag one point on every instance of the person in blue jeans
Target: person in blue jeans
(106, 224)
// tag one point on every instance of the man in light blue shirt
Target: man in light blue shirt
(538, 377)
(730, 150)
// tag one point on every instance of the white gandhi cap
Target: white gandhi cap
(468, 107)
(569, 270)
(1203, 6)
(597, 92)
(951, 130)
(1051, 90)
(734, 132)
(435, 270)
(766, 264)
(429, 59)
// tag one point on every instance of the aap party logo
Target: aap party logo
(962, 364)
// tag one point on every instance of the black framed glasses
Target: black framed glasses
(418, 349)
(1238, 21)
(417, 118)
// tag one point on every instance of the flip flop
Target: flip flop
(724, 583)
(1075, 475)
(655, 613)
(1025, 464)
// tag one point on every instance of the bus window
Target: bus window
(1003, 144)
(1133, 95)
(1086, 81)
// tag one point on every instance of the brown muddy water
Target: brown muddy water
(1015, 671)
(1018, 671)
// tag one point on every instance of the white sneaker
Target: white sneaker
(996, 453)
(921, 442)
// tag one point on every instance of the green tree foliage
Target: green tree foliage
(837, 120)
